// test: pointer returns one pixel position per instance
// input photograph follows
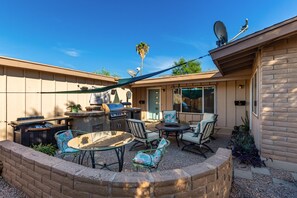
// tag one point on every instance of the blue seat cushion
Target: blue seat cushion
(63, 139)
(146, 159)
(151, 160)
(70, 150)
(170, 117)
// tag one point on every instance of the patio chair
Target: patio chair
(206, 116)
(62, 138)
(142, 136)
(150, 158)
(195, 142)
(170, 117)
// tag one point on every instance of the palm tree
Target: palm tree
(142, 49)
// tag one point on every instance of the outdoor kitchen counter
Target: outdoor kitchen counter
(85, 113)
(89, 121)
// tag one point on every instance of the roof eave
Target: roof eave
(12, 62)
(253, 42)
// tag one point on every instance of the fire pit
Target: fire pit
(36, 129)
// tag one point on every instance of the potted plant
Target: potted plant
(74, 108)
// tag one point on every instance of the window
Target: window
(194, 100)
(255, 90)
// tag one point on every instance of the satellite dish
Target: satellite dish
(221, 33)
(133, 73)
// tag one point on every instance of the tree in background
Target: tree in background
(189, 68)
(142, 49)
(105, 72)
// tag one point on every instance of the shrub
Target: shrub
(48, 149)
(244, 148)
(246, 123)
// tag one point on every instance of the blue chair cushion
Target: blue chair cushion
(145, 159)
(170, 117)
(63, 139)
(153, 159)
(162, 143)
(70, 150)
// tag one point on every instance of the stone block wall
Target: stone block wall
(278, 95)
(39, 175)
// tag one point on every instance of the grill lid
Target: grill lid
(115, 106)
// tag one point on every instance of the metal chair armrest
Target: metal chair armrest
(156, 131)
(147, 151)
(78, 132)
(194, 122)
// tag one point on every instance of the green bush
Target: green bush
(48, 149)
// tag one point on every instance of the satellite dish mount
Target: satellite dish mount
(222, 35)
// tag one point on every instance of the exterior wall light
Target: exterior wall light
(240, 86)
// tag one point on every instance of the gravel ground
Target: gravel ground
(7, 191)
(173, 158)
(261, 186)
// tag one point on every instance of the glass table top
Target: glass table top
(103, 140)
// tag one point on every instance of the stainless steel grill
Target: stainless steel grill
(116, 111)
(117, 117)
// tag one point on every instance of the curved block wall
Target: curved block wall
(39, 175)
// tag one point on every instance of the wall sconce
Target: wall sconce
(240, 86)
(163, 90)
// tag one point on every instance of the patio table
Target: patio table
(176, 128)
(102, 141)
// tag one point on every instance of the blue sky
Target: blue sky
(89, 35)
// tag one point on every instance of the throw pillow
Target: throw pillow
(63, 140)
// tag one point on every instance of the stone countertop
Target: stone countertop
(132, 108)
(85, 113)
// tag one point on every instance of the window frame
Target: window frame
(203, 87)
(255, 93)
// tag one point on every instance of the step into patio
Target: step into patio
(262, 170)
(243, 174)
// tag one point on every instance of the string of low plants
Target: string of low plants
(48, 149)
(243, 145)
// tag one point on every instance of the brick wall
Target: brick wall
(279, 100)
(39, 175)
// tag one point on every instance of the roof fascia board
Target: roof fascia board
(10, 62)
(219, 79)
(180, 78)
